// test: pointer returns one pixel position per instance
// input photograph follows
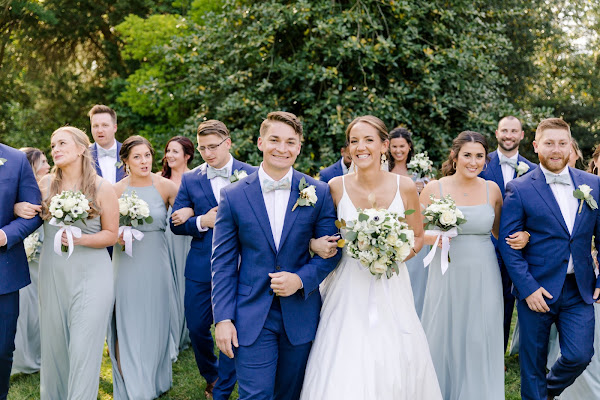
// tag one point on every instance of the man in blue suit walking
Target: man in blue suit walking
(505, 165)
(339, 168)
(266, 298)
(18, 185)
(553, 276)
(105, 150)
(199, 195)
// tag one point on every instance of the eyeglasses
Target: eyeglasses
(211, 147)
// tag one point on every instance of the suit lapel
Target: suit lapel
(290, 216)
(207, 187)
(496, 171)
(540, 185)
(94, 150)
(121, 170)
(257, 202)
(577, 181)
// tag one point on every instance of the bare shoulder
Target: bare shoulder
(118, 187)
(431, 188)
(336, 187)
(494, 190)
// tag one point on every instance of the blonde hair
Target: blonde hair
(87, 182)
(284, 117)
(551, 123)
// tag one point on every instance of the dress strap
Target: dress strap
(441, 191)
(398, 183)
(344, 183)
(487, 191)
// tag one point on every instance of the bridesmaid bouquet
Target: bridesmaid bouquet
(442, 219)
(379, 239)
(133, 212)
(421, 165)
(32, 245)
(66, 208)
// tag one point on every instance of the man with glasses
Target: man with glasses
(194, 214)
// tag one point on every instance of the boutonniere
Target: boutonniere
(118, 164)
(237, 175)
(308, 195)
(521, 168)
(583, 193)
(2, 161)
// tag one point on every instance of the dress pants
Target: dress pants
(9, 313)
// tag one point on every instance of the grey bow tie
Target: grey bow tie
(269, 185)
(102, 152)
(558, 179)
(213, 172)
(511, 162)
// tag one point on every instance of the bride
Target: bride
(370, 343)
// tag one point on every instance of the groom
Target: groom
(18, 184)
(553, 275)
(267, 309)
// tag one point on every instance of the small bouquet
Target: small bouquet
(32, 246)
(380, 239)
(421, 165)
(133, 212)
(442, 219)
(66, 208)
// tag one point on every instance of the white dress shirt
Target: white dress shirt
(276, 203)
(107, 165)
(508, 172)
(567, 204)
(344, 168)
(217, 183)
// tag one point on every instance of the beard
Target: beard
(554, 166)
(506, 148)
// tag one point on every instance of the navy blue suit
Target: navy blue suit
(196, 192)
(18, 184)
(275, 333)
(493, 172)
(335, 169)
(120, 171)
(530, 205)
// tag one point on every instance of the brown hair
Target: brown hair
(285, 117)
(510, 118)
(592, 164)
(374, 122)
(130, 143)
(213, 127)
(34, 156)
(102, 109)
(400, 133)
(551, 123)
(87, 181)
(448, 167)
(188, 150)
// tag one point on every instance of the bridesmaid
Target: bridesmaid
(179, 153)
(138, 336)
(399, 155)
(576, 154)
(76, 294)
(462, 314)
(27, 356)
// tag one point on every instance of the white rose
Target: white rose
(363, 245)
(585, 189)
(378, 267)
(392, 239)
(144, 211)
(123, 207)
(459, 214)
(59, 213)
(403, 251)
(69, 204)
(84, 204)
(310, 193)
(448, 218)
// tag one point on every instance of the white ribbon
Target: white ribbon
(128, 234)
(72, 231)
(445, 235)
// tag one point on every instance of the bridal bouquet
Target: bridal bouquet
(66, 208)
(442, 219)
(421, 165)
(133, 212)
(379, 239)
(32, 245)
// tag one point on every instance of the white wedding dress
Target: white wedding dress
(370, 343)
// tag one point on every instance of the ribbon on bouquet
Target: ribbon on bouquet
(445, 235)
(70, 230)
(128, 235)
(373, 305)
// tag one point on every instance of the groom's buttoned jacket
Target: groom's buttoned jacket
(530, 206)
(196, 192)
(243, 235)
(17, 184)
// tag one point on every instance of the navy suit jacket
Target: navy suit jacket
(530, 205)
(18, 184)
(120, 171)
(335, 169)
(493, 170)
(196, 192)
(243, 238)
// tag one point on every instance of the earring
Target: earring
(127, 170)
(454, 165)
(384, 162)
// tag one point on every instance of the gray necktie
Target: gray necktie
(213, 172)
(269, 185)
(508, 161)
(558, 179)
(102, 152)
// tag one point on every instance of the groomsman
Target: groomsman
(266, 297)
(18, 184)
(505, 165)
(200, 192)
(105, 149)
(338, 168)
(553, 276)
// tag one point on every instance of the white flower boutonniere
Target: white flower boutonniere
(521, 168)
(237, 175)
(2, 161)
(118, 164)
(583, 193)
(308, 195)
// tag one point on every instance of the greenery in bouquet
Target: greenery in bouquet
(133, 211)
(68, 207)
(442, 214)
(421, 165)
